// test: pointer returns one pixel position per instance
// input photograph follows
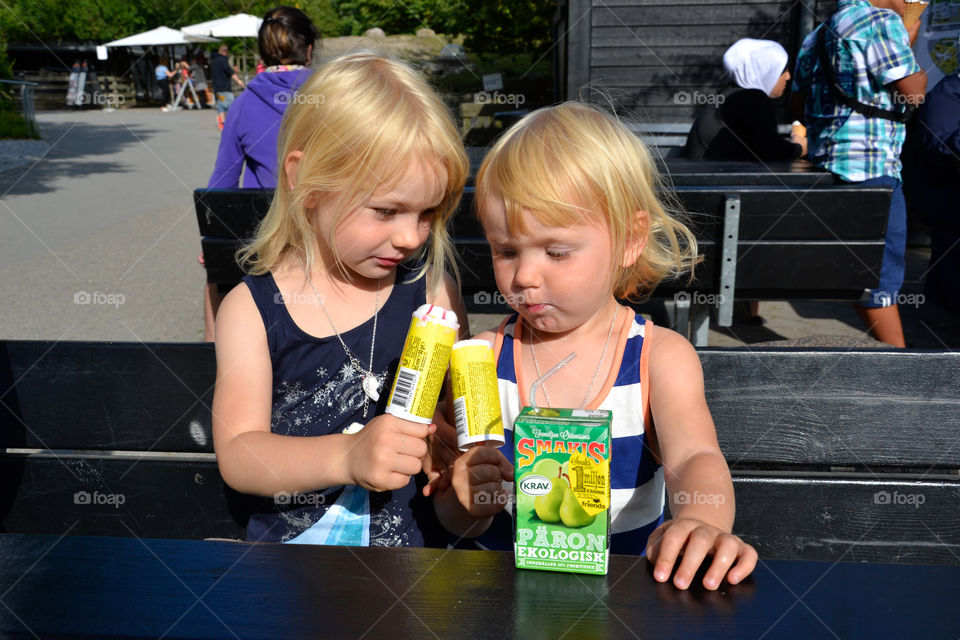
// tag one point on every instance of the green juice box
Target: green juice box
(563, 489)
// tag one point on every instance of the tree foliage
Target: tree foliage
(494, 26)
(507, 26)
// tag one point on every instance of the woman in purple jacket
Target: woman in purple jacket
(249, 136)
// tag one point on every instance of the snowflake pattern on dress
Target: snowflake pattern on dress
(328, 405)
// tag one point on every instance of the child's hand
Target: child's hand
(386, 452)
(696, 539)
(476, 477)
(439, 458)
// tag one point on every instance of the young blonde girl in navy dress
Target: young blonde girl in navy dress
(568, 203)
(371, 169)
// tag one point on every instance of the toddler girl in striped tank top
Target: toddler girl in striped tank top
(568, 201)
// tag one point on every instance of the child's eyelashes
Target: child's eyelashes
(503, 253)
(385, 213)
(557, 254)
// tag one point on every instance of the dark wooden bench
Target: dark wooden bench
(227, 219)
(841, 455)
(764, 235)
(835, 455)
(111, 439)
(770, 242)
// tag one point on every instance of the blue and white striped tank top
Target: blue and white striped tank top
(636, 483)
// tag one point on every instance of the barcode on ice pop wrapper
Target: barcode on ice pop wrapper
(406, 384)
(460, 417)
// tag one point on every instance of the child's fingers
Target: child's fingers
(484, 473)
(698, 544)
(727, 549)
(484, 455)
(664, 548)
(506, 469)
(413, 429)
(745, 564)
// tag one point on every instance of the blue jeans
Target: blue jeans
(895, 249)
(224, 100)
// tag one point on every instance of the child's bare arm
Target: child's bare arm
(698, 481)
(255, 461)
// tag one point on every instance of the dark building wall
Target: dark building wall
(658, 61)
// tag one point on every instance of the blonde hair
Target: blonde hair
(572, 163)
(359, 121)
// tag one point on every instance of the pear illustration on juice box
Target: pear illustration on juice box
(563, 489)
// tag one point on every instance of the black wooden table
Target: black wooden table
(83, 587)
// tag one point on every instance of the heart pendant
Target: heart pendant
(371, 386)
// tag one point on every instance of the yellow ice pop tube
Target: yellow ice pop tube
(423, 365)
(476, 399)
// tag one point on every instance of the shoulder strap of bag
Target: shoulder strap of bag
(867, 110)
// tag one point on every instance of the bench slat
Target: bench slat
(107, 396)
(169, 499)
(807, 407)
(911, 522)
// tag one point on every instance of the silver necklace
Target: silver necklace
(369, 382)
(596, 373)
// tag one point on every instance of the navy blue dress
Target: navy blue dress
(316, 391)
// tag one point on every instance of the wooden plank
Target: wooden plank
(746, 15)
(231, 213)
(765, 271)
(830, 213)
(106, 396)
(853, 520)
(692, 6)
(219, 255)
(113, 497)
(579, 40)
(859, 409)
(704, 35)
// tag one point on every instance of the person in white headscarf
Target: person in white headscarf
(741, 123)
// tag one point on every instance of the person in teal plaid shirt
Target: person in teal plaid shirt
(858, 136)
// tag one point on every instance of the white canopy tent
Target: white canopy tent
(164, 37)
(159, 37)
(239, 25)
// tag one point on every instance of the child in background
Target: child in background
(372, 168)
(568, 203)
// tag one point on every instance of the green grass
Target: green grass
(13, 125)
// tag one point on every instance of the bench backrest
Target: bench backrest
(111, 439)
(227, 219)
(839, 454)
(835, 454)
(794, 242)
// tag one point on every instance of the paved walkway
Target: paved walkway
(98, 241)
(19, 153)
